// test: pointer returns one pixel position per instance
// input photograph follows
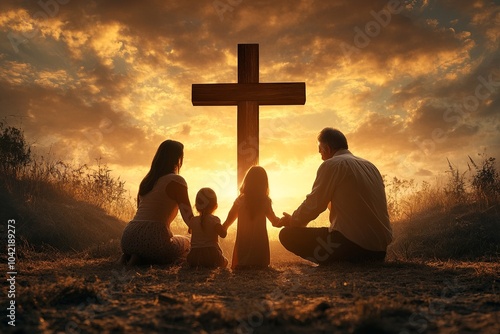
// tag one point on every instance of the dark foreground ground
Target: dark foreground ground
(71, 295)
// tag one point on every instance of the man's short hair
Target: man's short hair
(333, 138)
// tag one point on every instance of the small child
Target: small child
(205, 229)
(251, 249)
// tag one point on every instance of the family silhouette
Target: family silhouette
(350, 187)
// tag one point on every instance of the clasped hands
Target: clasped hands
(283, 221)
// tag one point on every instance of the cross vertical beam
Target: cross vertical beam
(248, 111)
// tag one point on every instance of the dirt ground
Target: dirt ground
(71, 295)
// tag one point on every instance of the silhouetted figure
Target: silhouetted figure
(205, 230)
(162, 192)
(252, 207)
(359, 222)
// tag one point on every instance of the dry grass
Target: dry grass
(73, 295)
(477, 189)
(461, 234)
(454, 218)
(47, 178)
(60, 206)
(56, 219)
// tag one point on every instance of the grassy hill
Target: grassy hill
(57, 206)
(51, 218)
(462, 233)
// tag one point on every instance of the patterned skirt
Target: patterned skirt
(153, 243)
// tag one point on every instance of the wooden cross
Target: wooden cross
(248, 94)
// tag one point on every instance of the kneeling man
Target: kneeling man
(354, 191)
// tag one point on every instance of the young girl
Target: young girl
(205, 229)
(251, 249)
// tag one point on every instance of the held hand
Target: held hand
(277, 223)
(284, 221)
(221, 231)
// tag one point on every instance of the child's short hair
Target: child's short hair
(206, 201)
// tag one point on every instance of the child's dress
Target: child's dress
(205, 250)
(252, 243)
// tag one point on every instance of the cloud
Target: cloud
(186, 129)
(424, 172)
(386, 133)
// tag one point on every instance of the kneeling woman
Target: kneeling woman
(147, 239)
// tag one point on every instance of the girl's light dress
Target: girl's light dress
(251, 248)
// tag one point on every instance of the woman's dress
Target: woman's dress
(148, 235)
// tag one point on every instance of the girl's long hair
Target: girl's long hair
(206, 203)
(255, 187)
(167, 159)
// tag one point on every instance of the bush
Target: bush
(486, 182)
(455, 189)
(15, 153)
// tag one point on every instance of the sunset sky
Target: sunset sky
(410, 84)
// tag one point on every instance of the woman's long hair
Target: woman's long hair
(167, 159)
(206, 204)
(255, 187)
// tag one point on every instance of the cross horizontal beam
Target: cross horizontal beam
(230, 94)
